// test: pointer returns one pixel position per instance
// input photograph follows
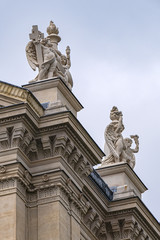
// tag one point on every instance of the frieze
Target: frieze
(53, 128)
(7, 183)
(11, 119)
(21, 94)
(47, 192)
(14, 182)
(120, 212)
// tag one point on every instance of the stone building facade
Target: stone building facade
(48, 186)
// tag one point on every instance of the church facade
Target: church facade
(49, 188)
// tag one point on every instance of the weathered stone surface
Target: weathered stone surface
(54, 92)
(122, 180)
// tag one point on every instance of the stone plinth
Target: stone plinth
(122, 180)
(55, 92)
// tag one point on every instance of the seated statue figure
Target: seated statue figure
(43, 55)
(117, 148)
(128, 152)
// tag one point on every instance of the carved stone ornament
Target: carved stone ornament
(46, 146)
(117, 148)
(43, 53)
(2, 169)
(52, 29)
(26, 175)
(45, 178)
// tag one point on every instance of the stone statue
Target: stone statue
(117, 148)
(128, 152)
(42, 53)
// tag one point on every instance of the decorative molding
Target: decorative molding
(11, 119)
(67, 128)
(94, 222)
(2, 169)
(45, 178)
(47, 192)
(21, 94)
(45, 146)
(6, 184)
(126, 228)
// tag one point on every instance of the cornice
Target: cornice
(55, 82)
(21, 94)
(123, 168)
(134, 204)
(77, 131)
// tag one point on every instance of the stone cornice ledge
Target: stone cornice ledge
(21, 94)
(123, 167)
(56, 82)
(121, 206)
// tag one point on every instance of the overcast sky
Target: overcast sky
(115, 54)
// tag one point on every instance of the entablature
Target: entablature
(11, 94)
(134, 208)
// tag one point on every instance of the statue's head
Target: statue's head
(128, 142)
(46, 42)
(115, 114)
(63, 60)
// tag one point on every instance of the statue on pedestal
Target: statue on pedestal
(42, 53)
(117, 148)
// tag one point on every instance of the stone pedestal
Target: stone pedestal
(55, 94)
(122, 180)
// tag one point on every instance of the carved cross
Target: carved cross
(36, 36)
